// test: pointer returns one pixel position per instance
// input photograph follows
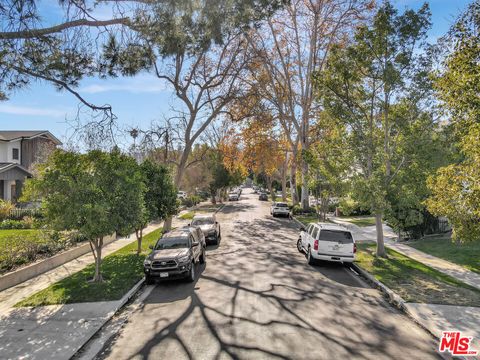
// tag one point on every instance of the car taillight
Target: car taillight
(354, 248)
(315, 245)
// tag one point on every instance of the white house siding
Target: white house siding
(3, 152)
(11, 146)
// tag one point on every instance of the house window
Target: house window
(15, 154)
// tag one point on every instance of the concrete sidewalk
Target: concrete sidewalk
(456, 271)
(56, 331)
(51, 332)
(13, 295)
(438, 318)
(364, 233)
(369, 233)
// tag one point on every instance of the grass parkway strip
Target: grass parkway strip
(121, 270)
(414, 281)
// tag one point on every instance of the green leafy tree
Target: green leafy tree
(329, 160)
(160, 198)
(361, 82)
(95, 193)
(456, 187)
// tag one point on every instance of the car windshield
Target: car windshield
(342, 237)
(172, 243)
(203, 221)
(281, 205)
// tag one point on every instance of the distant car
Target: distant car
(209, 226)
(263, 197)
(330, 242)
(182, 195)
(280, 208)
(233, 196)
(175, 255)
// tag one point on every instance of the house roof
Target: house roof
(11, 135)
(8, 166)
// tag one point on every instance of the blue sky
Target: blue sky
(140, 100)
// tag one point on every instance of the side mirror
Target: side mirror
(195, 243)
(150, 247)
(302, 228)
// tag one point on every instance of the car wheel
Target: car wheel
(299, 245)
(202, 257)
(191, 274)
(310, 259)
(149, 280)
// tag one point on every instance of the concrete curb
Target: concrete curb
(120, 305)
(392, 296)
(395, 300)
(298, 221)
(126, 298)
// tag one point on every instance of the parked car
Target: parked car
(233, 196)
(280, 208)
(210, 227)
(263, 197)
(182, 195)
(328, 242)
(175, 255)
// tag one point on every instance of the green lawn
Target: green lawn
(416, 282)
(467, 255)
(359, 220)
(6, 237)
(307, 219)
(121, 271)
(187, 216)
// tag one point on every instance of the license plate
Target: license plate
(163, 275)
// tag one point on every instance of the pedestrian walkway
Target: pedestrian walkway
(456, 271)
(13, 295)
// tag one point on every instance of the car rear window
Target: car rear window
(281, 205)
(342, 237)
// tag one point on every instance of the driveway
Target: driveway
(256, 298)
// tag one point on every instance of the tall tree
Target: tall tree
(456, 188)
(361, 82)
(292, 46)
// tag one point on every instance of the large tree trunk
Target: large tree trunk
(167, 225)
(293, 183)
(139, 234)
(305, 202)
(269, 186)
(284, 180)
(380, 244)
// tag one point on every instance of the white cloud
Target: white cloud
(140, 84)
(30, 111)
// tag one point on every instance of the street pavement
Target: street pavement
(256, 298)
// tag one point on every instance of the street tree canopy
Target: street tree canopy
(96, 193)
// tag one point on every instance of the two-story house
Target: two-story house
(19, 151)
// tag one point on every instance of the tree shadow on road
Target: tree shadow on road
(259, 299)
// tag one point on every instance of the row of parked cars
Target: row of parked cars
(177, 252)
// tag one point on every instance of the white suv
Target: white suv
(330, 242)
(280, 208)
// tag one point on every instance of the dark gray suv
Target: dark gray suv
(175, 255)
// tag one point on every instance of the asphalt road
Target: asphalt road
(256, 298)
